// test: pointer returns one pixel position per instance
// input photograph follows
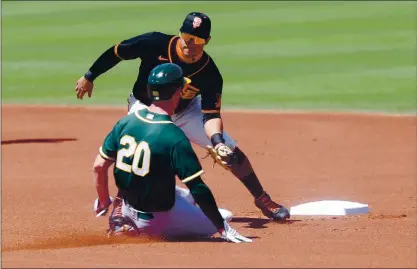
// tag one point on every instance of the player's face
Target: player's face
(191, 45)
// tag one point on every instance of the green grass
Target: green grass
(295, 55)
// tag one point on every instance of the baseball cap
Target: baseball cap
(197, 24)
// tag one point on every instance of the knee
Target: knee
(241, 166)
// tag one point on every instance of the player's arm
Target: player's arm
(100, 175)
(189, 171)
(213, 123)
(105, 158)
(129, 49)
(211, 105)
(133, 48)
(205, 200)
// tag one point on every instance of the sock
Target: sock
(244, 172)
(252, 183)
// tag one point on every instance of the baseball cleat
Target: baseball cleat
(118, 230)
(119, 224)
(271, 209)
(117, 207)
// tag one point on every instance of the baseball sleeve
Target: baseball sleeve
(140, 46)
(211, 95)
(135, 47)
(185, 162)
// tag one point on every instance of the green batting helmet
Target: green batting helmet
(164, 80)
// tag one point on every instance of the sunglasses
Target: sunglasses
(197, 40)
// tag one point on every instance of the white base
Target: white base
(329, 208)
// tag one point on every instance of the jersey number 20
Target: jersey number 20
(137, 151)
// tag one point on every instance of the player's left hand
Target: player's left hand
(231, 235)
(222, 155)
(84, 86)
(101, 209)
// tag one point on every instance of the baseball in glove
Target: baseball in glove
(222, 155)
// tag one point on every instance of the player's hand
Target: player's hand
(101, 209)
(231, 235)
(222, 155)
(84, 86)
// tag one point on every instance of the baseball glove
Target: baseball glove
(222, 155)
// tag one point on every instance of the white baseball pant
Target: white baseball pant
(185, 219)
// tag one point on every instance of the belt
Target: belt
(141, 214)
(145, 215)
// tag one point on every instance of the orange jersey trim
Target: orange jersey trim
(199, 70)
(210, 111)
(169, 49)
(170, 58)
(116, 53)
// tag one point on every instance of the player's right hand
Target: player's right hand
(84, 86)
(231, 235)
(100, 209)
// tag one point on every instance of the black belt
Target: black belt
(141, 214)
(145, 215)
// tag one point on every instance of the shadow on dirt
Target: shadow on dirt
(37, 140)
(259, 223)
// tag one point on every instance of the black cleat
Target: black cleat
(271, 209)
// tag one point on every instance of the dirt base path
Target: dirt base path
(47, 192)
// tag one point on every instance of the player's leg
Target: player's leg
(145, 223)
(226, 214)
(183, 220)
(187, 220)
(191, 122)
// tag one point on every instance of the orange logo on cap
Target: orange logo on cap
(197, 22)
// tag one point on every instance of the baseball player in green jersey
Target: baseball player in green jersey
(148, 152)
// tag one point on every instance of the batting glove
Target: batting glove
(99, 210)
(231, 235)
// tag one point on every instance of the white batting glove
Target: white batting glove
(99, 210)
(231, 235)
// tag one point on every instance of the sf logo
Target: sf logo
(197, 22)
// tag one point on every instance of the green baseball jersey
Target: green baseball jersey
(149, 151)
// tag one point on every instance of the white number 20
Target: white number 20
(134, 149)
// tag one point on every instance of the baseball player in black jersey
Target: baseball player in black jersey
(198, 112)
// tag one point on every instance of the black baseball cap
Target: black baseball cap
(197, 24)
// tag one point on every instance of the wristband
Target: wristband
(216, 139)
(90, 76)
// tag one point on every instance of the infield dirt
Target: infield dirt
(48, 192)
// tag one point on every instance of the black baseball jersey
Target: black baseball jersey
(155, 48)
(149, 151)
